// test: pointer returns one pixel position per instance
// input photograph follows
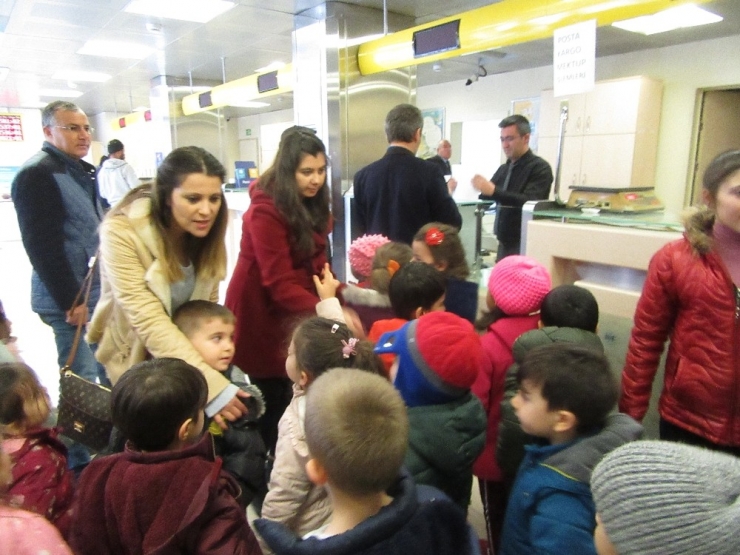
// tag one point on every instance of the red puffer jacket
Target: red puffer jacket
(689, 298)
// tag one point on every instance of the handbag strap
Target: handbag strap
(84, 294)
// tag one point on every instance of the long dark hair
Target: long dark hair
(304, 215)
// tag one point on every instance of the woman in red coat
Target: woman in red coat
(284, 244)
(691, 297)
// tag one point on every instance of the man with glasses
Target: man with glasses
(58, 207)
(524, 177)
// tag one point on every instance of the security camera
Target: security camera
(472, 79)
(479, 72)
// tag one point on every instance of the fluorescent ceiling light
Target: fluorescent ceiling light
(84, 76)
(108, 49)
(270, 67)
(248, 104)
(199, 11)
(141, 109)
(680, 17)
(59, 93)
(188, 89)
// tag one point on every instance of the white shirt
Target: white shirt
(115, 179)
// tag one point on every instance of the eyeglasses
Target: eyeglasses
(76, 128)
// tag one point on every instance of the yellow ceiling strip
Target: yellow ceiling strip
(503, 24)
(239, 90)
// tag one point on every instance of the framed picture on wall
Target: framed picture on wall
(432, 132)
(530, 109)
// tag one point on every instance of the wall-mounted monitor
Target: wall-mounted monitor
(204, 100)
(439, 38)
(267, 82)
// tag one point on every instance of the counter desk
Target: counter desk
(608, 254)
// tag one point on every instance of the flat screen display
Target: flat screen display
(204, 99)
(267, 82)
(439, 38)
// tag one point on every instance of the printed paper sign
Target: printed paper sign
(574, 58)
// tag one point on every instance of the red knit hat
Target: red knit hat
(518, 284)
(361, 253)
(440, 356)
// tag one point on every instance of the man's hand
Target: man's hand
(77, 316)
(327, 284)
(483, 185)
(451, 185)
(233, 410)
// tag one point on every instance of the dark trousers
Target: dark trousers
(507, 249)
(494, 496)
(671, 432)
(277, 393)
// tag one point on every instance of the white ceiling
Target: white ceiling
(42, 36)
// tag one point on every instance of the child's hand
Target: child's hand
(327, 285)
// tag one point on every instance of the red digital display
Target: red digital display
(148, 115)
(121, 122)
(631, 196)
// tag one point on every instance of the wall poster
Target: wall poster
(530, 109)
(11, 127)
(432, 132)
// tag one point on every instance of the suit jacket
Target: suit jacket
(399, 193)
(441, 163)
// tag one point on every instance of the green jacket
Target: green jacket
(511, 438)
(444, 441)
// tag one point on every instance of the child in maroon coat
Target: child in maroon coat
(41, 482)
(166, 493)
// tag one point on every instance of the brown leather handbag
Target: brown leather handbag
(84, 406)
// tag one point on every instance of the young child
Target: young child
(415, 289)
(41, 482)
(361, 253)
(317, 345)
(565, 394)
(166, 493)
(439, 245)
(438, 357)
(373, 303)
(23, 532)
(666, 498)
(569, 314)
(210, 328)
(356, 431)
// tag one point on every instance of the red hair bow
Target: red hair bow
(434, 237)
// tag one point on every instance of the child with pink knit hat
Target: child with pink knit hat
(360, 253)
(516, 289)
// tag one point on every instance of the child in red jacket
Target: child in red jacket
(516, 288)
(41, 482)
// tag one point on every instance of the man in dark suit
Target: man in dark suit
(442, 161)
(399, 193)
(525, 176)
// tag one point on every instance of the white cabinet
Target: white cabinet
(611, 136)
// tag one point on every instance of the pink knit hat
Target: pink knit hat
(361, 253)
(518, 284)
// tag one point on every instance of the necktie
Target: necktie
(498, 205)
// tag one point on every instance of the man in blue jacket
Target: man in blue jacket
(398, 194)
(58, 208)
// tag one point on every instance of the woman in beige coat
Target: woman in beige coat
(161, 246)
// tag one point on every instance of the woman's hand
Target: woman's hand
(327, 284)
(233, 410)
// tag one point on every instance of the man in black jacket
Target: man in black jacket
(524, 177)
(398, 194)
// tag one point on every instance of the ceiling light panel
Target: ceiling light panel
(59, 93)
(83, 76)
(198, 11)
(679, 17)
(109, 49)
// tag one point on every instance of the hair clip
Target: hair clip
(392, 267)
(349, 347)
(434, 237)
(334, 328)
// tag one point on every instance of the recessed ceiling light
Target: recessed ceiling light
(680, 17)
(184, 10)
(83, 76)
(59, 93)
(108, 49)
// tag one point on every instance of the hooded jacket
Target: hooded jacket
(115, 179)
(511, 437)
(270, 287)
(163, 502)
(444, 440)
(689, 298)
(550, 508)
